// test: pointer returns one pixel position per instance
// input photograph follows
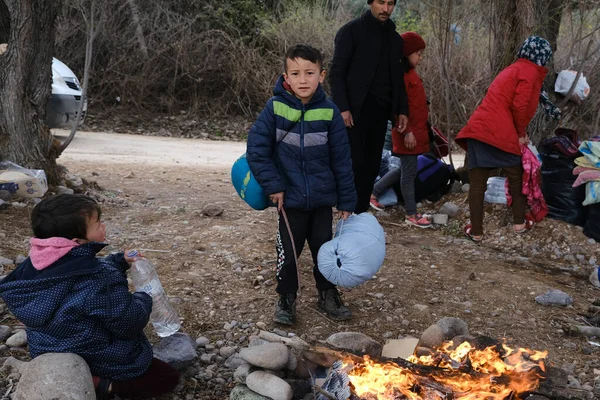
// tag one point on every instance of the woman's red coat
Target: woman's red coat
(507, 108)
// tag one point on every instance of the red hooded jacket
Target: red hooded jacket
(507, 108)
(417, 116)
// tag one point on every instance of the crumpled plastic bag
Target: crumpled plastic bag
(563, 83)
(22, 182)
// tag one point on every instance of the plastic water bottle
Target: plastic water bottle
(164, 318)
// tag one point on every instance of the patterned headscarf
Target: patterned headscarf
(536, 50)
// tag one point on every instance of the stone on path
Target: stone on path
(449, 209)
(64, 376)
(269, 356)
(432, 337)
(19, 339)
(356, 342)
(178, 350)
(452, 326)
(554, 297)
(269, 385)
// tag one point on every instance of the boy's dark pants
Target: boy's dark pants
(366, 143)
(313, 226)
(478, 184)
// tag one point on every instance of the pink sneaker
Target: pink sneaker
(419, 221)
(376, 205)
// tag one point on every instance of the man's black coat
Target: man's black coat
(355, 61)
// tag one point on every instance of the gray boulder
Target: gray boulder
(453, 327)
(178, 350)
(242, 372)
(269, 356)
(64, 376)
(554, 297)
(450, 209)
(269, 385)
(356, 342)
(19, 339)
(5, 332)
(433, 337)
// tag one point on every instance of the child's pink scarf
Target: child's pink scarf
(45, 252)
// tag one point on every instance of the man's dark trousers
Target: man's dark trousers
(366, 143)
(313, 226)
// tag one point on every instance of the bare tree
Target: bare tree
(25, 83)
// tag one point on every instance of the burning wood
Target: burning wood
(465, 372)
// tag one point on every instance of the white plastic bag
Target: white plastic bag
(496, 192)
(21, 181)
(564, 81)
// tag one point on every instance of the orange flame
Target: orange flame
(464, 372)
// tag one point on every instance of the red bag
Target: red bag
(438, 142)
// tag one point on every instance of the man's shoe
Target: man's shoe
(285, 312)
(332, 304)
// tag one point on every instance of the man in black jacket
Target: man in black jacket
(367, 85)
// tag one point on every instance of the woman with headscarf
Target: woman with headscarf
(497, 129)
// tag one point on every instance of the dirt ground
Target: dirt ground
(156, 188)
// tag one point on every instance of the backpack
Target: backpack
(434, 178)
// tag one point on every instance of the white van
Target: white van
(65, 99)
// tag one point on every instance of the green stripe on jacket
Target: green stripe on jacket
(291, 114)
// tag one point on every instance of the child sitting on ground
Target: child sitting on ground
(414, 140)
(73, 302)
(299, 153)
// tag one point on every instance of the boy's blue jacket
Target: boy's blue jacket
(82, 304)
(302, 150)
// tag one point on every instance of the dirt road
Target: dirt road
(134, 149)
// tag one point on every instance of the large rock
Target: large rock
(554, 297)
(64, 376)
(269, 385)
(5, 332)
(242, 372)
(433, 337)
(178, 350)
(269, 356)
(450, 209)
(452, 326)
(242, 392)
(356, 342)
(19, 339)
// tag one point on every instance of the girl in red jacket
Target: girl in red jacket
(414, 140)
(498, 128)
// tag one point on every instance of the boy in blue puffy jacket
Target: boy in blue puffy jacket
(299, 153)
(74, 302)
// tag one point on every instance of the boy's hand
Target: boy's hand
(131, 259)
(344, 214)
(409, 141)
(277, 198)
(401, 122)
(348, 121)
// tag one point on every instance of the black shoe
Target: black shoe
(332, 304)
(285, 312)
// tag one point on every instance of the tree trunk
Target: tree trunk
(512, 22)
(25, 84)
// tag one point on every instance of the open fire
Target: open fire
(465, 372)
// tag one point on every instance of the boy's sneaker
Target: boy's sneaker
(332, 304)
(376, 205)
(418, 221)
(285, 312)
